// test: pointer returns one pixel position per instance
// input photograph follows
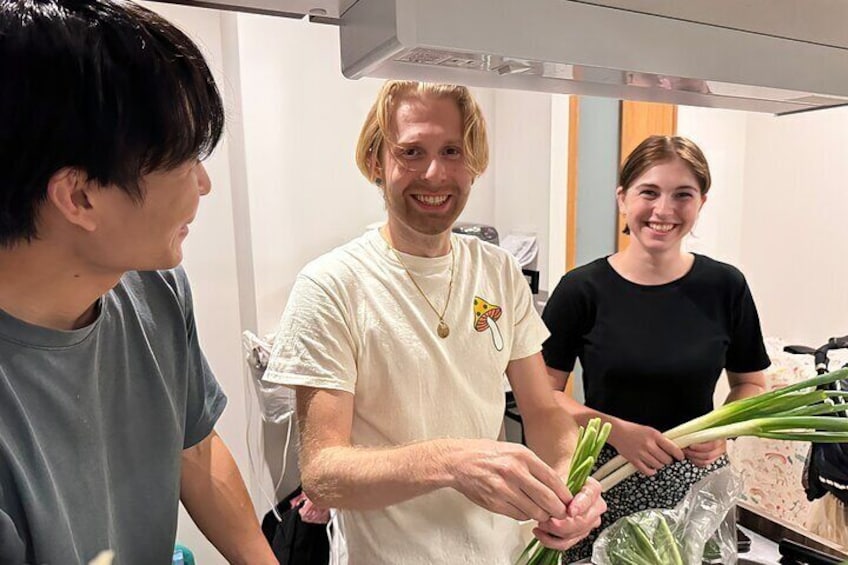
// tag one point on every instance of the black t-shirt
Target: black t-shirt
(653, 354)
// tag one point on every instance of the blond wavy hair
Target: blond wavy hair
(375, 131)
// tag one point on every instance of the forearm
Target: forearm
(744, 390)
(368, 478)
(552, 435)
(743, 385)
(213, 493)
(582, 413)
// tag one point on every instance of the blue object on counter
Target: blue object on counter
(182, 556)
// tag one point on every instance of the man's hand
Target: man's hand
(645, 447)
(508, 479)
(584, 515)
(702, 454)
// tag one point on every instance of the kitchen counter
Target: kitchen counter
(763, 550)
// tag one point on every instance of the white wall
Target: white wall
(795, 204)
(301, 119)
(529, 156)
(776, 210)
(522, 160)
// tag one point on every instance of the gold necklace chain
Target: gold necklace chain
(442, 330)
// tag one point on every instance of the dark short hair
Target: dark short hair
(103, 85)
(658, 149)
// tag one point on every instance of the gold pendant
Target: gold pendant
(443, 330)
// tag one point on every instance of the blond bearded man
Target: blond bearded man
(397, 343)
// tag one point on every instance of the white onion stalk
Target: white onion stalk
(787, 413)
(818, 429)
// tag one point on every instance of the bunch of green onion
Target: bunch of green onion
(793, 413)
(590, 440)
(635, 547)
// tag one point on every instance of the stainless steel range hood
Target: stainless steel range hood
(776, 56)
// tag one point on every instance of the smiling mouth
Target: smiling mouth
(662, 228)
(431, 200)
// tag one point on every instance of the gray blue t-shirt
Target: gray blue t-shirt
(93, 423)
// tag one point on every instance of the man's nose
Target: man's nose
(435, 170)
(203, 182)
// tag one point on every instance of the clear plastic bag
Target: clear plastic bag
(681, 535)
(277, 402)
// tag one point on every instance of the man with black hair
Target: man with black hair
(107, 404)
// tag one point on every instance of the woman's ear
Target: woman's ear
(619, 199)
(703, 201)
(68, 194)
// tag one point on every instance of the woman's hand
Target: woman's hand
(702, 454)
(646, 448)
(310, 513)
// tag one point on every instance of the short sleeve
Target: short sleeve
(12, 546)
(314, 346)
(529, 331)
(746, 352)
(205, 400)
(566, 315)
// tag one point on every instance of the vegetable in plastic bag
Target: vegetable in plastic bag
(678, 536)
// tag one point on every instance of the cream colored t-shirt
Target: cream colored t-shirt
(355, 322)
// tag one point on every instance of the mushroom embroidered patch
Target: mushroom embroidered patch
(486, 317)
